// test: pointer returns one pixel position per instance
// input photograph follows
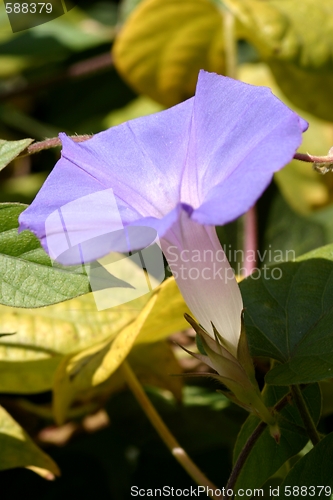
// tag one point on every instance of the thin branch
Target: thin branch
(36, 147)
(169, 440)
(313, 159)
(242, 457)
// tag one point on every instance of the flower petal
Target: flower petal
(241, 134)
(140, 162)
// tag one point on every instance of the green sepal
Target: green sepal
(243, 354)
(199, 344)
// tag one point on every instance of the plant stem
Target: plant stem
(242, 457)
(313, 159)
(169, 440)
(36, 147)
(55, 141)
(305, 414)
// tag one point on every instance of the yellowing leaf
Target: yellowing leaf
(167, 316)
(153, 364)
(28, 377)
(160, 317)
(296, 39)
(29, 358)
(289, 30)
(18, 450)
(62, 328)
(163, 45)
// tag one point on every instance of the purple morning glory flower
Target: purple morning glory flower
(182, 171)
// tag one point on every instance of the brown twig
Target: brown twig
(36, 147)
(313, 159)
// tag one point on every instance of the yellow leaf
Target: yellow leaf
(29, 358)
(160, 317)
(289, 30)
(163, 45)
(28, 377)
(18, 450)
(167, 316)
(61, 328)
(153, 364)
(296, 39)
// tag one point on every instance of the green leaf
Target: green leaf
(288, 316)
(163, 45)
(27, 276)
(312, 471)
(289, 234)
(11, 149)
(18, 450)
(273, 455)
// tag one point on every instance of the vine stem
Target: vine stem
(242, 457)
(36, 147)
(312, 158)
(55, 141)
(305, 414)
(169, 440)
